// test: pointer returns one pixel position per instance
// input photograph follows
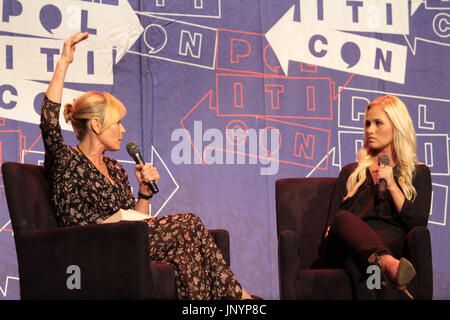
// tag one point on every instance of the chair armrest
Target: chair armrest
(163, 281)
(288, 264)
(323, 284)
(222, 238)
(419, 249)
(113, 260)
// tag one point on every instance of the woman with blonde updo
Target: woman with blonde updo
(93, 105)
(373, 226)
(87, 187)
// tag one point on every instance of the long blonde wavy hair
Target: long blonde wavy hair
(404, 147)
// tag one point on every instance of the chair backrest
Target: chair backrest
(28, 196)
(302, 207)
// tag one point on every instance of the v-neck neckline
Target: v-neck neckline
(90, 161)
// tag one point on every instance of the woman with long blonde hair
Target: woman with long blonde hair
(381, 197)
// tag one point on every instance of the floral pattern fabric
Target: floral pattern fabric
(82, 195)
(201, 271)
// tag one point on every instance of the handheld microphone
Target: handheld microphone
(382, 160)
(135, 153)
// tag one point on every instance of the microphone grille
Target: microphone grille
(383, 159)
(132, 148)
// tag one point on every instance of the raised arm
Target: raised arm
(50, 128)
(55, 88)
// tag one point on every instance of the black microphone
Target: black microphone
(382, 160)
(135, 153)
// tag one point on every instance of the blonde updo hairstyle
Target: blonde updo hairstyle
(93, 104)
(404, 147)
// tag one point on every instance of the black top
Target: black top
(382, 214)
(81, 194)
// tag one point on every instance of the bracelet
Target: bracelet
(144, 196)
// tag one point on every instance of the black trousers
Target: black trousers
(351, 237)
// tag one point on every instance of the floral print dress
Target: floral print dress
(82, 195)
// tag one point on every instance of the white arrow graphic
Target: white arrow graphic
(35, 59)
(109, 25)
(317, 44)
(19, 98)
(169, 186)
(155, 155)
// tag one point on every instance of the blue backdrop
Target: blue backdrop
(226, 97)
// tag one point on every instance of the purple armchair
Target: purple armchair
(302, 214)
(113, 258)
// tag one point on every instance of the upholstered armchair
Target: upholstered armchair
(302, 214)
(113, 259)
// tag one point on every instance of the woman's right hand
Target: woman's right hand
(70, 44)
(144, 174)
